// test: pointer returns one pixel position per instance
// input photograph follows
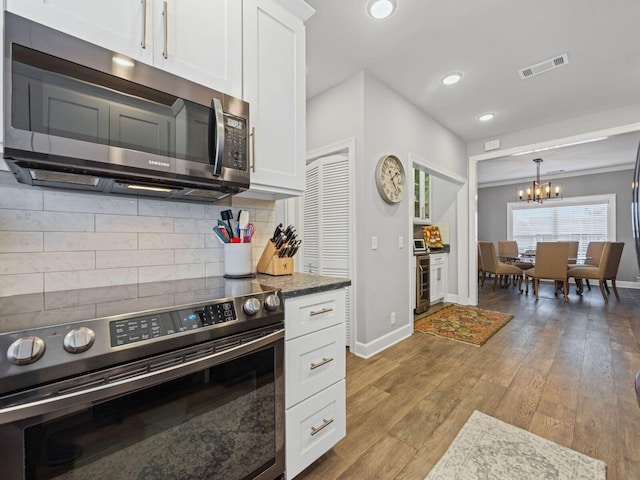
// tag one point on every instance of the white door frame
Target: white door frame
(461, 211)
(348, 148)
(473, 187)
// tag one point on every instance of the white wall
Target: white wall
(382, 123)
(52, 239)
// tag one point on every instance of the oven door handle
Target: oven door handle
(105, 390)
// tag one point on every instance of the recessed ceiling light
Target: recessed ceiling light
(485, 117)
(381, 8)
(452, 78)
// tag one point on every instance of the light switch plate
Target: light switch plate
(400, 241)
(374, 243)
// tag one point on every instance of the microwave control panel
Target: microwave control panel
(236, 143)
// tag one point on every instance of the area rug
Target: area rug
(489, 449)
(465, 324)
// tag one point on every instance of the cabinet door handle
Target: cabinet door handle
(143, 42)
(319, 364)
(253, 149)
(165, 28)
(320, 312)
(439, 276)
(325, 424)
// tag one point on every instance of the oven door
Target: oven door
(220, 416)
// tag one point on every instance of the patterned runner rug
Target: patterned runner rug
(466, 324)
(489, 449)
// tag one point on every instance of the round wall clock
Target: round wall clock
(390, 178)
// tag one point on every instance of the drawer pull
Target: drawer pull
(320, 312)
(323, 362)
(325, 424)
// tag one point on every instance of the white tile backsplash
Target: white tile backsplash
(57, 281)
(53, 240)
(34, 262)
(36, 220)
(163, 208)
(170, 240)
(62, 201)
(21, 283)
(131, 223)
(16, 242)
(69, 242)
(134, 258)
(171, 272)
(23, 200)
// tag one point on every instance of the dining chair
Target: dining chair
(593, 255)
(491, 264)
(551, 264)
(573, 252)
(508, 249)
(606, 270)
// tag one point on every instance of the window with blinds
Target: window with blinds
(582, 219)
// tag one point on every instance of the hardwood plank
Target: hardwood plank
(385, 459)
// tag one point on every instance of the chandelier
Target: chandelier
(539, 191)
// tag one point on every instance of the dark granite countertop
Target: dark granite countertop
(299, 284)
(22, 312)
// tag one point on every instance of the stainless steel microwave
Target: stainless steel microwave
(79, 116)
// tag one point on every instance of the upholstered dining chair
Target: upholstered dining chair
(551, 264)
(593, 255)
(573, 252)
(491, 264)
(509, 249)
(606, 270)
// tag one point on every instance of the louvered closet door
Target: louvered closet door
(326, 222)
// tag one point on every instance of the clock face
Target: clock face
(390, 178)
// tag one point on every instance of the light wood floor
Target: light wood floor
(562, 371)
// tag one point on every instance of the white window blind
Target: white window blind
(582, 219)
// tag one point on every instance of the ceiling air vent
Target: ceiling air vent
(544, 66)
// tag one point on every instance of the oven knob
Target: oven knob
(79, 340)
(251, 306)
(25, 350)
(272, 302)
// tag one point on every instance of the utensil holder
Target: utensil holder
(271, 264)
(237, 259)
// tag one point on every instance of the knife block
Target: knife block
(271, 264)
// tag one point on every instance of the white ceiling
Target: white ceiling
(488, 41)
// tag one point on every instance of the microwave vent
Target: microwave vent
(63, 177)
(206, 194)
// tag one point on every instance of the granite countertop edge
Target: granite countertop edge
(300, 284)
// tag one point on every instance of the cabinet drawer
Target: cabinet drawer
(313, 312)
(437, 259)
(314, 426)
(313, 362)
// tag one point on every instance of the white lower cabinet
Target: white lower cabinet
(315, 366)
(438, 277)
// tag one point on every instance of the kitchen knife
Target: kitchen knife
(276, 233)
(280, 241)
(290, 233)
(293, 250)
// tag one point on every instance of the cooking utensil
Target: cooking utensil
(248, 232)
(243, 221)
(228, 216)
(221, 234)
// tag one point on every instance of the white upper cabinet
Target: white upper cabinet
(201, 41)
(274, 86)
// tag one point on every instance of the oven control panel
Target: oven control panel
(132, 330)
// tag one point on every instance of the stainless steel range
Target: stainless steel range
(173, 390)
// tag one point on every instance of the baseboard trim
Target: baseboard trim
(368, 350)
